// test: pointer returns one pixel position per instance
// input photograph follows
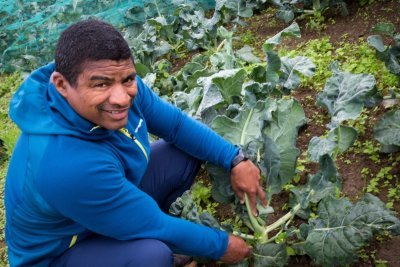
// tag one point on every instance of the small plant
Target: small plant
(360, 124)
(202, 196)
(317, 21)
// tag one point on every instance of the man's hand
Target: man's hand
(245, 178)
(237, 250)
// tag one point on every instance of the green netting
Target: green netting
(29, 29)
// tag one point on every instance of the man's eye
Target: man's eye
(129, 81)
(100, 85)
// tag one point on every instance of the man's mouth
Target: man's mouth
(115, 111)
(117, 114)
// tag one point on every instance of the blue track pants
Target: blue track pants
(169, 174)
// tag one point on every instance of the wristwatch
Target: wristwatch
(238, 158)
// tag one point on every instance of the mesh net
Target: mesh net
(29, 29)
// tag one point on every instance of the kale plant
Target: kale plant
(387, 129)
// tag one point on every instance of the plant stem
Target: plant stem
(256, 226)
(246, 125)
(337, 150)
(158, 10)
(282, 220)
(244, 236)
(221, 45)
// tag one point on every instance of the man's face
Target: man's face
(104, 92)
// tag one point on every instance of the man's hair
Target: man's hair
(88, 40)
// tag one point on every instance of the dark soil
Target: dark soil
(350, 29)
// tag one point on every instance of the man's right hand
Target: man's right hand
(237, 250)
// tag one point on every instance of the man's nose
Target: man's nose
(120, 95)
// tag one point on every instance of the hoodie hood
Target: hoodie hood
(38, 108)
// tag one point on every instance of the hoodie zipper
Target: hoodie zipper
(137, 142)
(73, 241)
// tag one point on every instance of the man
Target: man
(85, 187)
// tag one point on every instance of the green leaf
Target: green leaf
(244, 263)
(393, 62)
(280, 132)
(339, 139)
(292, 31)
(318, 186)
(270, 255)
(387, 129)
(244, 128)
(191, 72)
(342, 228)
(221, 189)
(344, 136)
(285, 15)
(186, 208)
(384, 28)
(165, 28)
(230, 85)
(258, 74)
(273, 67)
(291, 67)
(320, 146)
(246, 54)
(220, 87)
(376, 42)
(142, 69)
(188, 102)
(235, 8)
(255, 91)
(272, 162)
(344, 95)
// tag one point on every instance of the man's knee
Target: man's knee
(152, 253)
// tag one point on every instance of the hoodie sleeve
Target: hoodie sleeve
(173, 125)
(89, 187)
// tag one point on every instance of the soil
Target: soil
(349, 28)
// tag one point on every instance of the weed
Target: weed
(202, 196)
(317, 21)
(360, 124)
(247, 38)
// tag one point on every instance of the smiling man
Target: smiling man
(85, 187)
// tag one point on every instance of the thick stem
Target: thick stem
(256, 226)
(272, 238)
(158, 10)
(337, 150)
(221, 45)
(282, 220)
(244, 236)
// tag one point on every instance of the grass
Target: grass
(8, 134)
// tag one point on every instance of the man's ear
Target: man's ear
(60, 83)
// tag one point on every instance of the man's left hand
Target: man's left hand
(245, 178)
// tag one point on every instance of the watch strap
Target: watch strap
(238, 158)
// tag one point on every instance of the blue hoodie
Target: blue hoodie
(68, 178)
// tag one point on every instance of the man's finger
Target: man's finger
(253, 204)
(262, 197)
(240, 194)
